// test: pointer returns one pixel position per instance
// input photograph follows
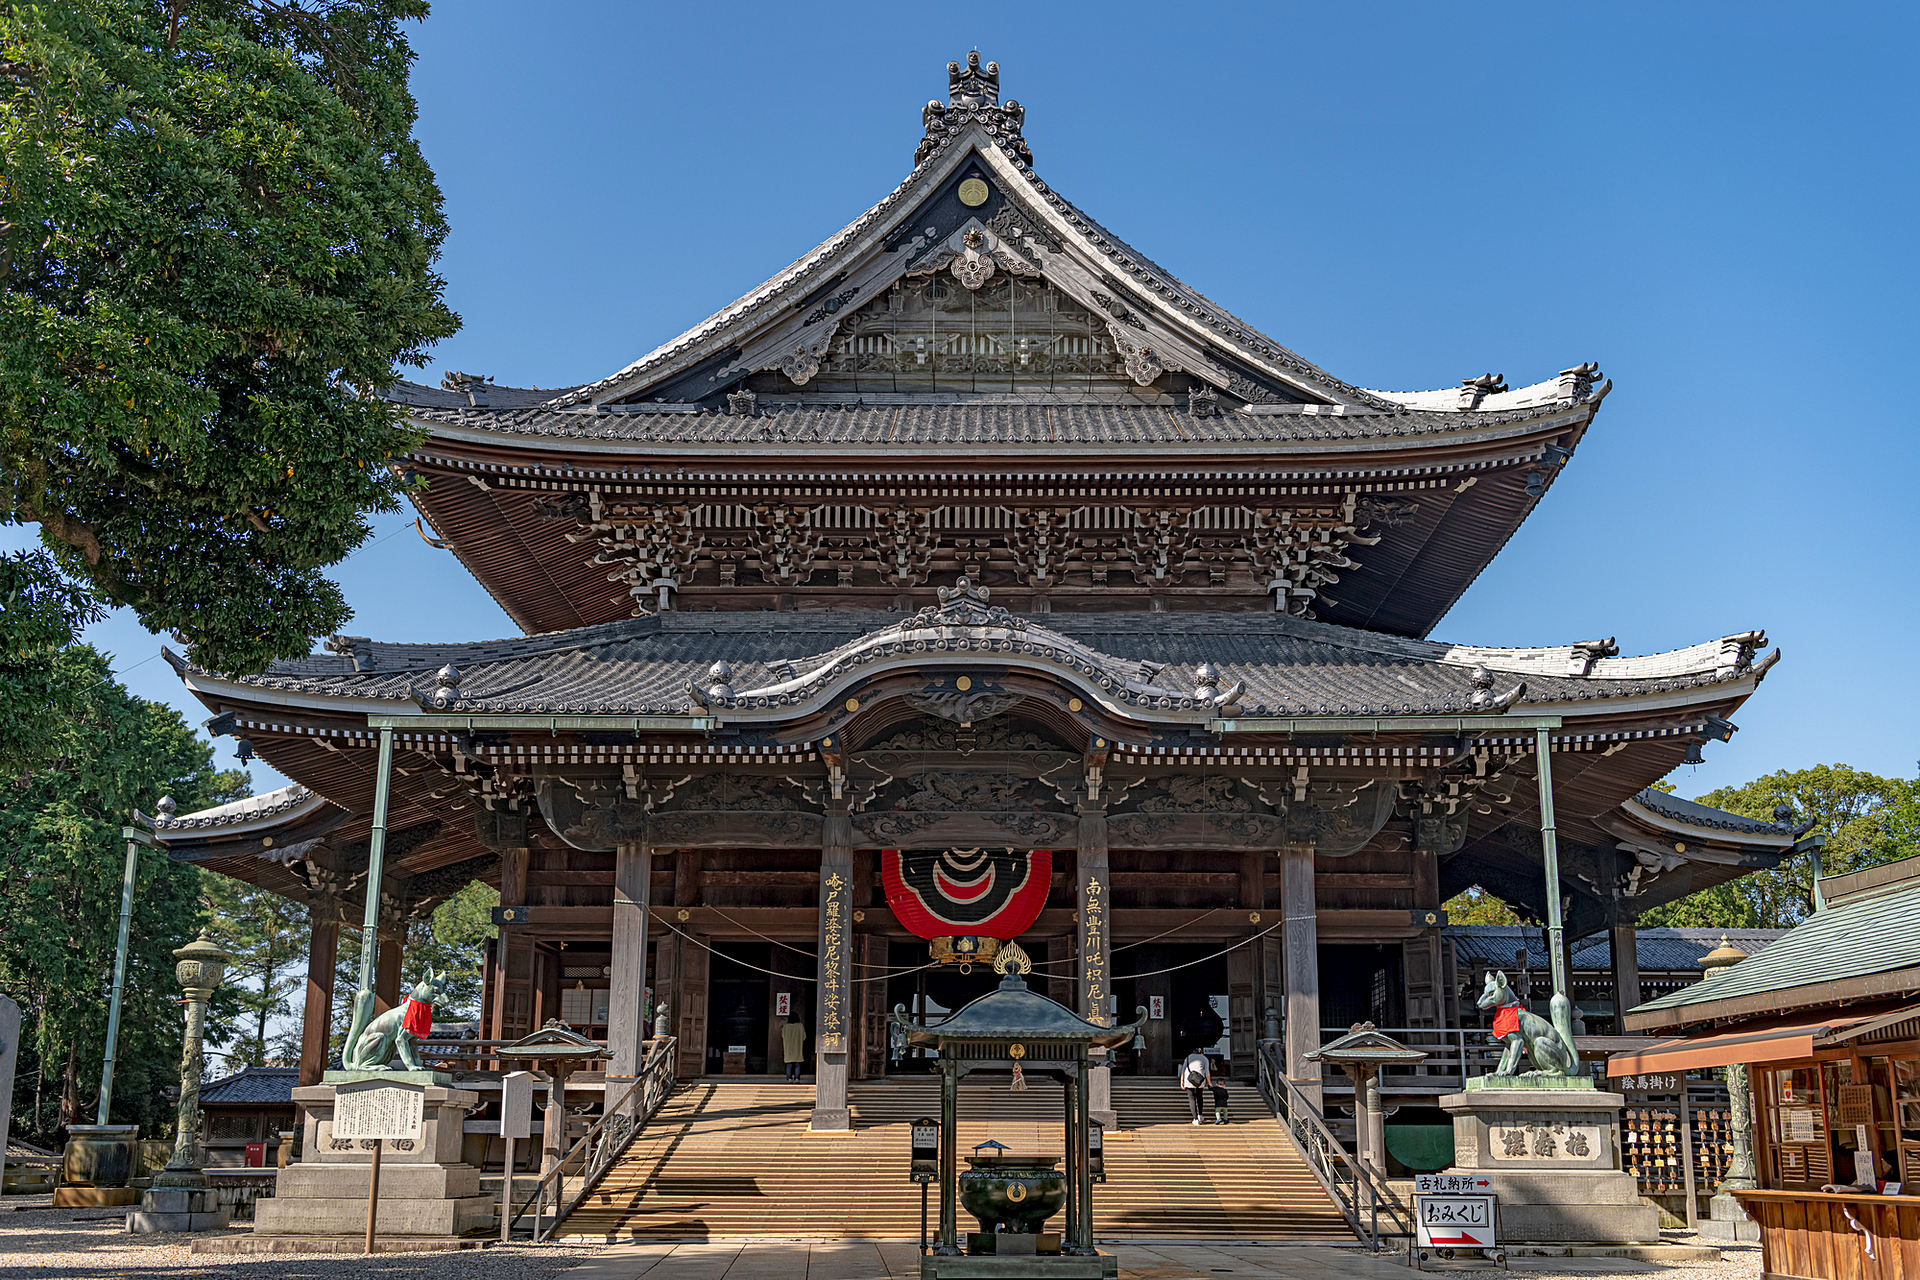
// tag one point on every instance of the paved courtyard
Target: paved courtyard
(38, 1242)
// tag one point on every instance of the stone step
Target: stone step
(727, 1159)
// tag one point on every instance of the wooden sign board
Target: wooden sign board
(378, 1109)
(1652, 1082)
(516, 1104)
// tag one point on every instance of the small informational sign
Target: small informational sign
(375, 1109)
(1798, 1122)
(516, 1105)
(1454, 1222)
(1653, 1082)
(1457, 1184)
(1156, 1007)
(783, 1004)
(1856, 1104)
(924, 1165)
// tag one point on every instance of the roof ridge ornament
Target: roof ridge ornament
(973, 94)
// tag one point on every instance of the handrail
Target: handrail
(602, 1144)
(1357, 1189)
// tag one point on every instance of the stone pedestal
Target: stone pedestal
(1547, 1150)
(176, 1209)
(1727, 1220)
(426, 1189)
(97, 1166)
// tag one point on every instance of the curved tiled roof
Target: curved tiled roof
(269, 804)
(1290, 666)
(1696, 814)
(929, 421)
(968, 134)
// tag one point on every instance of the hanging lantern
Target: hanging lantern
(966, 902)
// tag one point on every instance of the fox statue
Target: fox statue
(371, 1042)
(1549, 1045)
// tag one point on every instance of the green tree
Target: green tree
(454, 938)
(267, 937)
(1866, 819)
(60, 868)
(1474, 905)
(217, 239)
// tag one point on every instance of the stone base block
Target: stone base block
(1726, 1220)
(831, 1119)
(328, 1244)
(142, 1223)
(1580, 1223)
(400, 1181)
(1102, 1266)
(175, 1209)
(348, 1215)
(94, 1197)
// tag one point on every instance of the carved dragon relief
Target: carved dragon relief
(1210, 810)
(654, 549)
(1441, 802)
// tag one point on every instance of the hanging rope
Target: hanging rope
(880, 977)
(1153, 973)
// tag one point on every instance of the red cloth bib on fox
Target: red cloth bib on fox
(416, 1019)
(988, 893)
(1506, 1022)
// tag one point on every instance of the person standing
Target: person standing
(793, 1043)
(1196, 1077)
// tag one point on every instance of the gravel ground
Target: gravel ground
(49, 1244)
(1737, 1262)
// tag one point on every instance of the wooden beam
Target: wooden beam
(1365, 880)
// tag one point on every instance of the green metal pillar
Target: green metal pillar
(1550, 854)
(363, 999)
(134, 838)
(948, 1245)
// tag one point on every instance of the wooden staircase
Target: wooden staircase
(732, 1159)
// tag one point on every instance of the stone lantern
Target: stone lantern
(180, 1199)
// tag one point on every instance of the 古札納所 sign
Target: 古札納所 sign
(1461, 1184)
(375, 1109)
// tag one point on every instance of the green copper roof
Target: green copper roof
(1875, 931)
(1012, 1012)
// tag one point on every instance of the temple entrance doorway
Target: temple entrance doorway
(1361, 984)
(745, 985)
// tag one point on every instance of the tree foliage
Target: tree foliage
(266, 937)
(61, 857)
(217, 239)
(1866, 819)
(1474, 905)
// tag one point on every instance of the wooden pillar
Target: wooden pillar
(1625, 945)
(690, 1004)
(627, 998)
(1301, 932)
(323, 952)
(386, 974)
(513, 893)
(1092, 881)
(834, 1011)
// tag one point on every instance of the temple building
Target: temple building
(973, 577)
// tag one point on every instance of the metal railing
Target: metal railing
(624, 1117)
(1453, 1054)
(1358, 1190)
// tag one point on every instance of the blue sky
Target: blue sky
(1713, 201)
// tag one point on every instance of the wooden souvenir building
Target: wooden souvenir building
(976, 573)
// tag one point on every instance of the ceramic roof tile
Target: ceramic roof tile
(1290, 666)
